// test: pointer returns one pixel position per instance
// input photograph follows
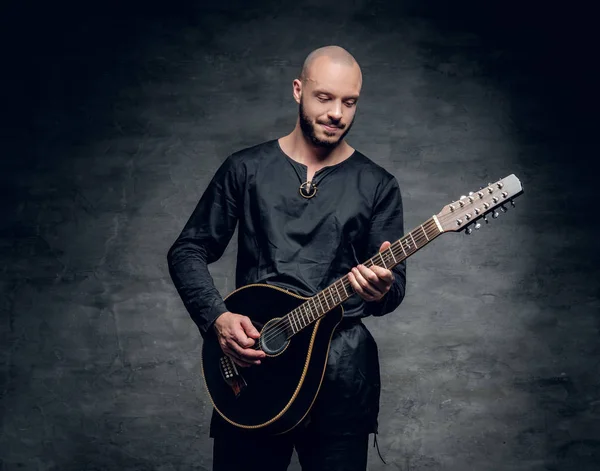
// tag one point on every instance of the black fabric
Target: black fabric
(302, 245)
(315, 452)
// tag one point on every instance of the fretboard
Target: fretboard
(335, 294)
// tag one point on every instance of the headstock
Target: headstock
(465, 213)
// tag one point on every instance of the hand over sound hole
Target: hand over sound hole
(237, 338)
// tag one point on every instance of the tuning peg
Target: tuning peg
(512, 202)
(468, 231)
(503, 209)
(486, 219)
(477, 226)
(495, 214)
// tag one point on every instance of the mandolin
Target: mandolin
(296, 331)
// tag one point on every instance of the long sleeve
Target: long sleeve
(203, 241)
(387, 223)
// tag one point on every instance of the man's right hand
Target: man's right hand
(236, 335)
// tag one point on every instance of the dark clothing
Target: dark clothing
(302, 245)
(315, 452)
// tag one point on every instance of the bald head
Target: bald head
(333, 54)
(327, 92)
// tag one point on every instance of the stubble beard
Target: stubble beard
(308, 129)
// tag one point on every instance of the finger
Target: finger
(386, 245)
(241, 360)
(249, 328)
(383, 273)
(368, 280)
(361, 282)
(383, 278)
(246, 354)
(370, 274)
(235, 358)
(241, 338)
(358, 287)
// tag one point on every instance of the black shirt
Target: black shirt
(299, 244)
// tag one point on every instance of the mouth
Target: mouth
(330, 128)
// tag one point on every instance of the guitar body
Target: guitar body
(276, 395)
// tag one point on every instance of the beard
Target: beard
(308, 129)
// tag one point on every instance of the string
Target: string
(420, 240)
(400, 250)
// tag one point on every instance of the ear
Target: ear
(297, 90)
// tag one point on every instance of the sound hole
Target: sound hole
(273, 338)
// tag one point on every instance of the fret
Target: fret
(413, 239)
(325, 297)
(333, 295)
(424, 232)
(344, 286)
(338, 293)
(392, 252)
(308, 312)
(292, 323)
(402, 247)
(315, 307)
(382, 260)
(341, 298)
(321, 303)
(299, 322)
(389, 261)
(349, 286)
(407, 244)
(299, 319)
(328, 299)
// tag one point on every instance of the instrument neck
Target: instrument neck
(335, 294)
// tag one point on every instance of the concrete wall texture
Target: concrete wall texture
(119, 117)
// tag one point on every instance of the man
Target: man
(310, 209)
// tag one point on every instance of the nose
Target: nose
(335, 112)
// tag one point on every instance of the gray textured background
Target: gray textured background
(116, 119)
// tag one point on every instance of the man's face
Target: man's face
(329, 98)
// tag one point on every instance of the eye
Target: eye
(350, 104)
(322, 98)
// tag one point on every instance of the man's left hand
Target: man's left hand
(373, 283)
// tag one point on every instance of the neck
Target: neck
(324, 301)
(307, 153)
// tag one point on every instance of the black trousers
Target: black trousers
(315, 452)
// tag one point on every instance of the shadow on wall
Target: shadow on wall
(542, 60)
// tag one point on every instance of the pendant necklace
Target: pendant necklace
(308, 189)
